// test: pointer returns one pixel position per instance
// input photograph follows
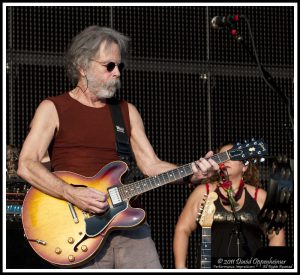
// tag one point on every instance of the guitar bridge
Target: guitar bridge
(115, 196)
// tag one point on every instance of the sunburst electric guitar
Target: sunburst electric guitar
(206, 219)
(66, 236)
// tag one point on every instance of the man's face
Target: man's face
(101, 82)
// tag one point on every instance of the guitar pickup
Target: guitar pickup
(115, 196)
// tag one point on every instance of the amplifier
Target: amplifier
(16, 190)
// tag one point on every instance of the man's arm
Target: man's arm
(31, 169)
(147, 160)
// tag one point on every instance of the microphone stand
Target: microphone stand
(269, 80)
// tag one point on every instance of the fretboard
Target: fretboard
(133, 189)
(206, 248)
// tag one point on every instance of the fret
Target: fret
(220, 157)
(206, 245)
(176, 174)
(224, 156)
(165, 178)
(125, 191)
(152, 182)
(216, 158)
(205, 265)
(206, 258)
(121, 192)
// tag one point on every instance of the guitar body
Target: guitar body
(67, 241)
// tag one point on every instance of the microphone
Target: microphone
(219, 22)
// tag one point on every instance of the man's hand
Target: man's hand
(88, 199)
(204, 167)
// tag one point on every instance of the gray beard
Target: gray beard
(108, 90)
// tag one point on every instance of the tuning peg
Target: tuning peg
(254, 141)
(255, 161)
(246, 162)
(262, 159)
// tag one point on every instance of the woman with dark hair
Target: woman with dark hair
(235, 229)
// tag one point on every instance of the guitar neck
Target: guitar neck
(206, 248)
(130, 190)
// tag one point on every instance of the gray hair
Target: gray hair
(85, 46)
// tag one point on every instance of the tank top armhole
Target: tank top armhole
(255, 194)
(207, 188)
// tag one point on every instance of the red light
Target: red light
(236, 18)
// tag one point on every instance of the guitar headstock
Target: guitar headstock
(253, 149)
(206, 214)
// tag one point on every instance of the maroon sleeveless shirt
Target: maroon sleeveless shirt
(85, 141)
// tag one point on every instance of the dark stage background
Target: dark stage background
(194, 86)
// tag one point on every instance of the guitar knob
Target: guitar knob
(84, 248)
(57, 250)
(71, 258)
(70, 240)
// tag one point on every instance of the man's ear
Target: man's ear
(82, 72)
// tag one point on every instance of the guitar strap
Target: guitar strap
(122, 143)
